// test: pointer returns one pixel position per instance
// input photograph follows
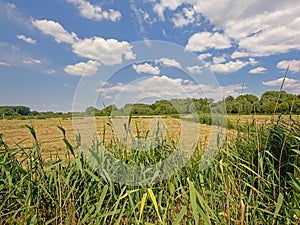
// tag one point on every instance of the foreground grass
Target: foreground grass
(254, 180)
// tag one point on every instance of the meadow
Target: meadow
(16, 134)
(255, 178)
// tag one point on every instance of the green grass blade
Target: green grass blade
(180, 215)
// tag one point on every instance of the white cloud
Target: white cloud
(252, 61)
(154, 83)
(164, 87)
(259, 28)
(83, 68)
(55, 30)
(10, 13)
(164, 33)
(108, 52)
(292, 85)
(160, 7)
(31, 61)
(146, 16)
(169, 63)
(195, 69)
(4, 64)
(146, 68)
(204, 56)
(270, 42)
(233, 90)
(138, 14)
(10, 55)
(217, 60)
(258, 70)
(294, 65)
(185, 18)
(230, 67)
(51, 71)
(94, 12)
(26, 39)
(238, 54)
(205, 40)
(278, 82)
(268, 31)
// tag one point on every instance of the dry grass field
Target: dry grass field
(259, 119)
(15, 133)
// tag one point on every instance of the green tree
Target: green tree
(90, 110)
(141, 109)
(284, 108)
(164, 107)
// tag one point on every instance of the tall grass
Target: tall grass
(254, 180)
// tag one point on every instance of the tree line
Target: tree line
(270, 101)
(16, 111)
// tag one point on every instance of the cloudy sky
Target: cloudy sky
(58, 54)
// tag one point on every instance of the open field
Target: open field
(15, 133)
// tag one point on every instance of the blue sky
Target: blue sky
(61, 55)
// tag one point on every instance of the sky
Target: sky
(64, 55)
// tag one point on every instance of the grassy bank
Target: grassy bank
(255, 179)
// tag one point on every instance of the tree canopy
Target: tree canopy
(243, 104)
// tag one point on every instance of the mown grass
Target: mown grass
(255, 179)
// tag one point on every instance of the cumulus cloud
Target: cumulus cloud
(278, 82)
(94, 12)
(270, 30)
(26, 39)
(108, 52)
(164, 87)
(169, 63)
(204, 56)
(270, 42)
(185, 18)
(83, 68)
(230, 67)
(195, 69)
(205, 40)
(161, 6)
(290, 84)
(217, 60)
(55, 30)
(258, 27)
(146, 68)
(105, 51)
(239, 54)
(258, 70)
(154, 83)
(294, 65)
